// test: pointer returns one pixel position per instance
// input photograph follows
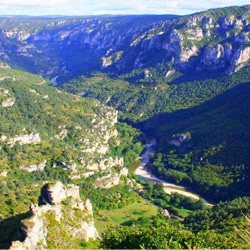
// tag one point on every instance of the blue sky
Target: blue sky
(98, 7)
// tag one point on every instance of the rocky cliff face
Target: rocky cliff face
(62, 221)
(216, 39)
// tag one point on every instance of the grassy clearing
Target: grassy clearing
(134, 165)
(124, 216)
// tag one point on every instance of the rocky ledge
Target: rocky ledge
(59, 221)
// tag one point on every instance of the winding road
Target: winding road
(169, 188)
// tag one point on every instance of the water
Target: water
(169, 187)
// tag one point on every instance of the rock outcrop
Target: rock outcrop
(55, 193)
(8, 102)
(4, 65)
(32, 138)
(240, 59)
(61, 221)
(111, 179)
(34, 168)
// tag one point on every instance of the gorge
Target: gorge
(80, 96)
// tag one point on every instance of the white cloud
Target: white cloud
(33, 2)
(35, 7)
(151, 6)
(88, 7)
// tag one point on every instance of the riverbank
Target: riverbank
(142, 172)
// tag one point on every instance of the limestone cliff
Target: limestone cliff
(211, 40)
(61, 220)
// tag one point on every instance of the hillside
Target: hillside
(207, 147)
(138, 102)
(50, 135)
(36, 117)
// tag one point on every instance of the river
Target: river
(168, 187)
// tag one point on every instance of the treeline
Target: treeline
(216, 228)
(173, 202)
(166, 236)
(221, 217)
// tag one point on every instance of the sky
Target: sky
(115, 7)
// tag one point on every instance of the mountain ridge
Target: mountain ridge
(121, 44)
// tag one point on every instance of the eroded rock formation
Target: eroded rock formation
(60, 220)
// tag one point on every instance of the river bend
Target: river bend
(169, 187)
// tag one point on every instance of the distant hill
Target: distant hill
(145, 46)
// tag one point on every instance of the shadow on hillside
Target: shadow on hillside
(10, 230)
(232, 98)
(223, 120)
